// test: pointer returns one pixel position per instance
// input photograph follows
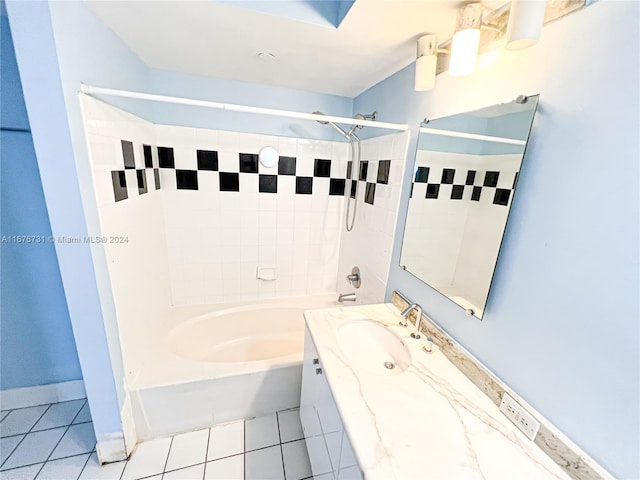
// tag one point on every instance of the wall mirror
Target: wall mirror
(465, 175)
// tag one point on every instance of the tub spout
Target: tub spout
(347, 297)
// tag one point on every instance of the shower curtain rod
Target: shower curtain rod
(91, 90)
(473, 136)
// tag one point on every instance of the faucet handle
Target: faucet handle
(354, 278)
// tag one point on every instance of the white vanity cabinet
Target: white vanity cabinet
(329, 449)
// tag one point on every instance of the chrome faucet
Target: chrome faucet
(347, 297)
(405, 314)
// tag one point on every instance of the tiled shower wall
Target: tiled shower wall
(454, 196)
(368, 246)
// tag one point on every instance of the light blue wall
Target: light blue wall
(36, 341)
(561, 325)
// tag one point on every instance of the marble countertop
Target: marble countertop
(428, 422)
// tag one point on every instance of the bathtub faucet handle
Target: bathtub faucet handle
(346, 297)
(354, 278)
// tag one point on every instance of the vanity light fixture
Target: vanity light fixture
(466, 40)
(525, 23)
(426, 61)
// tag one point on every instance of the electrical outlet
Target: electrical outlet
(519, 416)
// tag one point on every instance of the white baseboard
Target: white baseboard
(41, 394)
(110, 448)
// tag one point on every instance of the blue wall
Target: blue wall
(561, 325)
(36, 341)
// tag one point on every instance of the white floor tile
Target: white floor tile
(21, 420)
(78, 439)
(108, 471)
(66, 468)
(24, 473)
(265, 464)
(296, 460)
(226, 440)
(3, 414)
(188, 449)
(59, 415)
(7, 445)
(148, 459)
(84, 415)
(191, 473)
(290, 426)
(261, 432)
(230, 468)
(35, 448)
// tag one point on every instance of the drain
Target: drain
(389, 365)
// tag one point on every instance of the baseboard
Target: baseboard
(41, 394)
(110, 448)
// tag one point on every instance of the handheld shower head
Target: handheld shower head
(326, 122)
(323, 122)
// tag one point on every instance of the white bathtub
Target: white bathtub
(223, 363)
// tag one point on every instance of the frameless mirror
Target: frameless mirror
(465, 175)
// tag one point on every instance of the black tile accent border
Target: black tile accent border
(229, 182)
(304, 185)
(165, 157)
(207, 160)
(142, 181)
(156, 177)
(422, 175)
(148, 157)
(127, 154)
(187, 179)
(336, 186)
(364, 168)
(248, 163)
(349, 169)
(448, 174)
(268, 183)
(471, 177)
(321, 168)
(502, 196)
(456, 192)
(354, 189)
(384, 168)
(119, 181)
(370, 193)
(475, 194)
(515, 181)
(491, 179)
(287, 166)
(432, 190)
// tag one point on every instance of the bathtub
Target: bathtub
(222, 363)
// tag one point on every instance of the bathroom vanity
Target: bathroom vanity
(376, 404)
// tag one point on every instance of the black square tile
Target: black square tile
(287, 166)
(148, 158)
(432, 190)
(411, 191)
(475, 194)
(268, 183)
(119, 181)
(456, 192)
(322, 168)
(127, 154)
(229, 182)
(165, 157)
(187, 179)
(502, 196)
(336, 186)
(349, 169)
(248, 163)
(491, 179)
(384, 167)
(156, 177)
(142, 181)
(422, 174)
(304, 185)
(354, 189)
(207, 160)
(364, 168)
(471, 177)
(515, 181)
(447, 175)
(370, 193)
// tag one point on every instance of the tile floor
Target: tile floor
(56, 442)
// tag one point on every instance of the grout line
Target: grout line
(25, 435)
(244, 448)
(206, 454)
(284, 474)
(85, 465)
(166, 462)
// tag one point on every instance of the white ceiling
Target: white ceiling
(376, 39)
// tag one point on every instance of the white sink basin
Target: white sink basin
(371, 346)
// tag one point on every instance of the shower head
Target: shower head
(326, 122)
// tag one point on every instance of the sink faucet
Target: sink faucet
(405, 313)
(347, 297)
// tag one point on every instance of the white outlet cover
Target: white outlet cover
(519, 416)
